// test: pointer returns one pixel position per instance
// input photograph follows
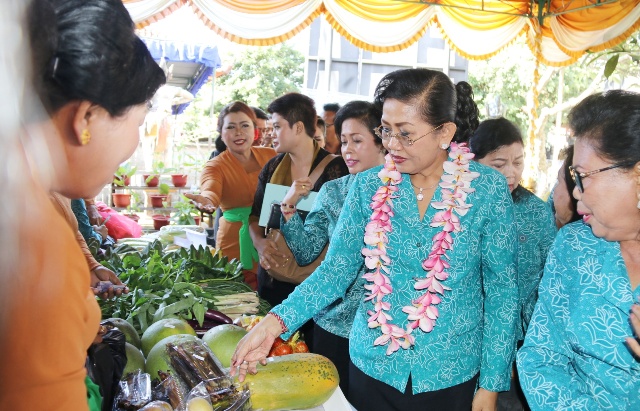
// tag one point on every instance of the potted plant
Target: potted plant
(158, 168)
(159, 200)
(121, 200)
(122, 176)
(185, 212)
(179, 180)
(160, 220)
(133, 206)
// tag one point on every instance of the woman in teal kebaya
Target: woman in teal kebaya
(436, 329)
(361, 150)
(498, 143)
(576, 355)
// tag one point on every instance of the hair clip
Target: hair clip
(55, 66)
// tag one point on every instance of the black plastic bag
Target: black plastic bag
(105, 363)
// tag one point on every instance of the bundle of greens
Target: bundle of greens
(181, 283)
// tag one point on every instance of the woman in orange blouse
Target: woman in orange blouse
(229, 181)
(48, 315)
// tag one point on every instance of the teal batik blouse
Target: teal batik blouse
(536, 228)
(307, 240)
(475, 332)
(574, 356)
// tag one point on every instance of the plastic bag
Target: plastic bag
(118, 225)
(135, 392)
(105, 363)
(220, 394)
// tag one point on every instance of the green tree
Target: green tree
(259, 75)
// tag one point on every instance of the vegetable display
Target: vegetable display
(183, 283)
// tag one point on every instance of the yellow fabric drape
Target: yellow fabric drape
(259, 6)
(476, 29)
(381, 10)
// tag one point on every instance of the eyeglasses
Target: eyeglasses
(403, 138)
(577, 176)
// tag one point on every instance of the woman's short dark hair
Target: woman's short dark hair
(295, 107)
(92, 54)
(611, 122)
(366, 113)
(321, 123)
(259, 113)
(492, 134)
(567, 154)
(437, 99)
(235, 107)
(334, 107)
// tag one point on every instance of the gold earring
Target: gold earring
(85, 137)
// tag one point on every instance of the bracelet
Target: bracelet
(285, 205)
(284, 327)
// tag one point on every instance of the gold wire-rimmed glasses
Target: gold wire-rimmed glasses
(386, 134)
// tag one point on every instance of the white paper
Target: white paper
(274, 193)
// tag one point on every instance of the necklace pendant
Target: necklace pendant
(419, 197)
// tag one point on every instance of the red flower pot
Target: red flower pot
(134, 217)
(179, 180)
(121, 199)
(151, 182)
(196, 218)
(160, 220)
(126, 180)
(157, 200)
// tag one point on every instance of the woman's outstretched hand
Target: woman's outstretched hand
(202, 203)
(254, 347)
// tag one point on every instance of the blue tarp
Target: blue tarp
(180, 51)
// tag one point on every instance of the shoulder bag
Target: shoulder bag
(288, 269)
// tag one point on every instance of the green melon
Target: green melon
(222, 340)
(135, 359)
(163, 329)
(130, 333)
(158, 359)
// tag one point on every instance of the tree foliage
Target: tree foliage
(258, 76)
(261, 74)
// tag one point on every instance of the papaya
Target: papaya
(295, 381)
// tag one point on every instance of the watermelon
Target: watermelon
(135, 359)
(130, 333)
(163, 329)
(222, 340)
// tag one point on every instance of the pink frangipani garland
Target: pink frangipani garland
(423, 312)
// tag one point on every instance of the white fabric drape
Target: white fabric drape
(368, 25)
(144, 9)
(380, 34)
(256, 26)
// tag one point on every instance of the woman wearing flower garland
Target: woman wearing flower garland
(361, 150)
(441, 304)
(498, 143)
(574, 355)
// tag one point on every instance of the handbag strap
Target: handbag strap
(315, 174)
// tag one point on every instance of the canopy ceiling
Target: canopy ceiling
(476, 29)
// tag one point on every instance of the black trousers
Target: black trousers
(275, 292)
(369, 394)
(336, 349)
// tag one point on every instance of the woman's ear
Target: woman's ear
(82, 117)
(448, 131)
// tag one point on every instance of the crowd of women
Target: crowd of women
(445, 285)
